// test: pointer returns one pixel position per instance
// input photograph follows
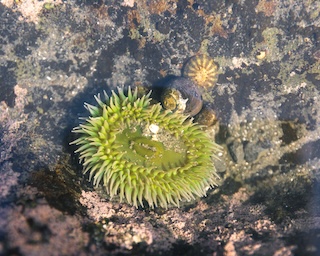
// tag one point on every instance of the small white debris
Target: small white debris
(182, 104)
(154, 128)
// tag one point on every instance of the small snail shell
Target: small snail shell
(206, 116)
(172, 99)
(182, 95)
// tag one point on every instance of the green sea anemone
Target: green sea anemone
(144, 153)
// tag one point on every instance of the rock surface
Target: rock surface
(56, 55)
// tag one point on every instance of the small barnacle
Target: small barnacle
(261, 54)
(182, 95)
(48, 6)
(202, 69)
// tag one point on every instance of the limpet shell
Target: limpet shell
(202, 69)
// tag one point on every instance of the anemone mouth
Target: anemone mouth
(142, 152)
(152, 149)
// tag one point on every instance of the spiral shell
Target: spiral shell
(183, 96)
(172, 99)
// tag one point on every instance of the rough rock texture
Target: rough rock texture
(55, 55)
